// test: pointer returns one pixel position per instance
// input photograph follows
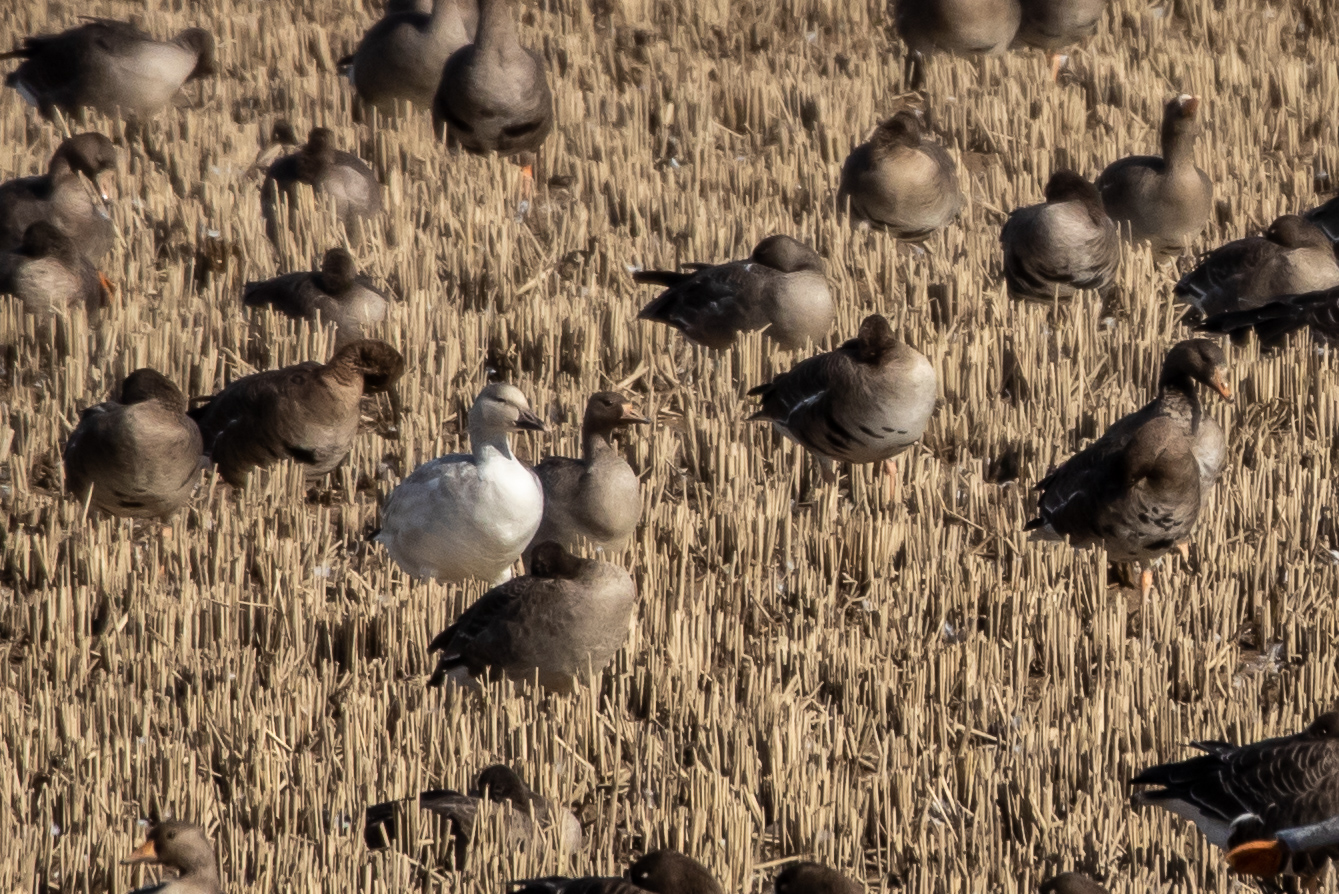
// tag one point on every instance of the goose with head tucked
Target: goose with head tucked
(780, 288)
(139, 455)
(341, 177)
(49, 274)
(61, 197)
(334, 294)
(1275, 321)
(469, 515)
(901, 180)
(400, 58)
(1063, 246)
(109, 66)
(308, 412)
(657, 872)
(183, 847)
(813, 878)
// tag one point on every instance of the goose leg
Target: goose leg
(1259, 858)
(828, 468)
(1057, 61)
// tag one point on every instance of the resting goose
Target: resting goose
(527, 820)
(813, 878)
(1138, 490)
(469, 515)
(865, 402)
(659, 872)
(595, 498)
(962, 27)
(308, 412)
(1242, 793)
(140, 455)
(335, 293)
(493, 95)
(400, 58)
(567, 617)
(61, 198)
(780, 288)
(1061, 247)
(1292, 257)
(338, 176)
(901, 180)
(109, 66)
(49, 274)
(1071, 883)
(1163, 199)
(1273, 322)
(183, 847)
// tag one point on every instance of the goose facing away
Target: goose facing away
(1063, 246)
(183, 847)
(339, 176)
(1294, 256)
(493, 95)
(469, 515)
(1241, 793)
(865, 402)
(658, 872)
(780, 288)
(109, 66)
(901, 180)
(529, 816)
(140, 455)
(1139, 489)
(335, 293)
(60, 197)
(813, 878)
(49, 274)
(961, 27)
(567, 617)
(400, 58)
(308, 412)
(1164, 199)
(595, 498)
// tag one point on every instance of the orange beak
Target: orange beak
(145, 853)
(1258, 858)
(633, 416)
(1220, 386)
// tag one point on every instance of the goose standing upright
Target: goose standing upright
(469, 515)
(183, 847)
(901, 180)
(400, 58)
(60, 197)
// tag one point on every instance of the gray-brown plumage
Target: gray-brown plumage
(493, 95)
(595, 498)
(1071, 883)
(308, 412)
(335, 293)
(658, 872)
(961, 27)
(400, 58)
(780, 288)
(183, 847)
(139, 454)
(567, 617)
(49, 274)
(813, 878)
(1163, 199)
(1273, 322)
(1294, 256)
(865, 402)
(901, 180)
(332, 174)
(530, 816)
(1063, 246)
(1238, 793)
(109, 66)
(61, 197)
(1326, 217)
(1055, 24)
(1138, 490)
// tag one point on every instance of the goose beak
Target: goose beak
(1221, 386)
(145, 853)
(633, 416)
(528, 421)
(1258, 858)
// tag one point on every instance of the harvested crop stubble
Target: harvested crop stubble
(912, 693)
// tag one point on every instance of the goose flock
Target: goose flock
(545, 538)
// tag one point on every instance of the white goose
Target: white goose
(469, 515)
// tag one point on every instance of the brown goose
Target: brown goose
(335, 293)
(1241, 793)
(49, 274)
(1164, 199)
(1273, 322)
(109, 66)
(1053, 25)
(339, 176)
(901, 180)
(1327, 218)
(493, 95)
(865, 402)
(779, 288)
(183, 847)
(140, 455)
(594, 498)
(400, 58)
(1292, 257)
(1138, 490)
(60, 197)
(527, 820)
(1064, 246)
(308, 412)
(962, 27)
(813, 878)
(1071, 883)
(567, 617)
(659, 872)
